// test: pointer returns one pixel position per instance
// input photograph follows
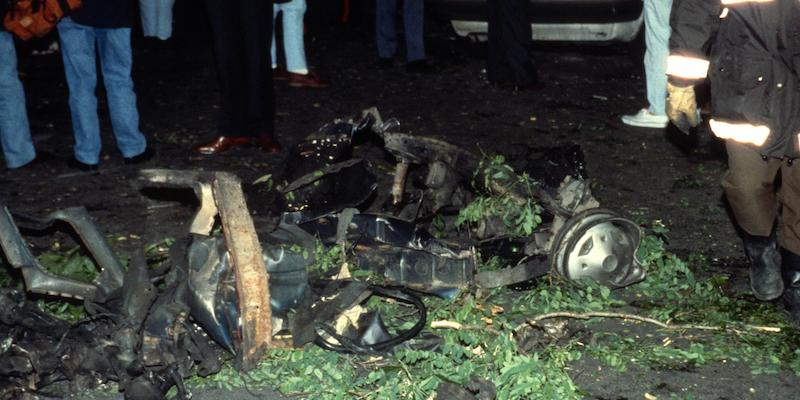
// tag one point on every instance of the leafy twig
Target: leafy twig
(563, 314)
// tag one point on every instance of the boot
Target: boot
(765, 265)
(790, 268)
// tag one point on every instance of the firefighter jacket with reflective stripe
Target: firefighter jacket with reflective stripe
(750, 51)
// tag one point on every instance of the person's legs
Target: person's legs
(385, 33)
(242, 33)
(790, 240)
(258, 115)
(78, 52)
(656, 36)
(273, 48)
(156, 18)
(239, 28)
(518, 32)
(116, 62)
(15, 135)
(293, 44)
(414, 25)
(496, 66)
(749, 186)
(790, 207)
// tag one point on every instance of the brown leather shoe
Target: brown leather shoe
(222, 143)
(311, 79)
(268, 143)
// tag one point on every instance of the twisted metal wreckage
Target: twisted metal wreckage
(149, 327)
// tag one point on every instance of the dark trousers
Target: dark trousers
(242, 33)
(509, 39)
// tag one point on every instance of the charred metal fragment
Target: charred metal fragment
(212, 291)
(139, 338)
(425, 150)
(419, 270)
(370, 336)
(331, 144)
(333, 188)
(203, 221)
(38, 279)
(398, 251)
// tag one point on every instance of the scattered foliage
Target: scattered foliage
(483, 342)
(498, 184)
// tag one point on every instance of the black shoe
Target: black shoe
(420, 67)
(143, 157)
(75, 164)
(385, 62)
(790, 269)
(765, 266)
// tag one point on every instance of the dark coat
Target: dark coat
(3, 11)
(754, 53)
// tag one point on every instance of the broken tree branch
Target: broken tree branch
(598, 314)
(251, 274)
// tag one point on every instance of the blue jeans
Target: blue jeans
(15, 134)
(156, 18)
(79, 46)
(656, 37)
(413, 23)
(293, 45)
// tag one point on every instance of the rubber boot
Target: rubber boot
(765, 266)
(790, 268)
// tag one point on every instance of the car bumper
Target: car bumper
(567, 20)
(580, 32)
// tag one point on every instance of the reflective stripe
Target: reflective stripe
(730, 2)
(742, 133)
(687, 67)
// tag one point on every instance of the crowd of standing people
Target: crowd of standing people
(246, 60)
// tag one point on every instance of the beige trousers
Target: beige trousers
(750, 186)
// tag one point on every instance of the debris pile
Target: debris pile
(232, 293)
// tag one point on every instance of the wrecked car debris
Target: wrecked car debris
(39, 280)
(369, 335)
(229, 293)
(330, 189)
(221, 194)
(140, 339)
(564, 194)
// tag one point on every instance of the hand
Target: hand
(682, 106)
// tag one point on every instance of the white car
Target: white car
(554, 20)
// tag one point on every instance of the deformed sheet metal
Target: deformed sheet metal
(38, 279)
(330, 189)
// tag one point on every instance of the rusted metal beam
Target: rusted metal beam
(251, 274)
